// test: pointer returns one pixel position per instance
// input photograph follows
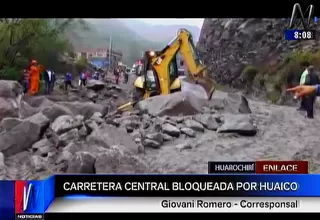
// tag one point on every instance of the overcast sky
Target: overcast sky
(173, 21)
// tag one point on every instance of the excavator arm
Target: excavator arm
(182, 43)
(167, 77)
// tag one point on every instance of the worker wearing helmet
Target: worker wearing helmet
(34, 78)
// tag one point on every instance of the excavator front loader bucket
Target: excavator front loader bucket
(192, 85)
(207, 84)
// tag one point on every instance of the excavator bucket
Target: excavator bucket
(200, 86)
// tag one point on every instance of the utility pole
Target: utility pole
(110, 49)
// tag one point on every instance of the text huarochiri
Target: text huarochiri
(180, 186)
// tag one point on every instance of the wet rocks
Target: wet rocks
(189, 132)
(8, 123)
(180, 103)
(108, 135)
(42, 147)
(81, 162)
(95, 85)
(118, 160)
(65, 123)
(241, 124)
(207, 120)
(55, 111)
(20, 138)
(69, 136)
(194, 125)
(170, 130)
(10, 98)
(86, 109)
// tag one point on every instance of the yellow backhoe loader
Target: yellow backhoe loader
(160, 75)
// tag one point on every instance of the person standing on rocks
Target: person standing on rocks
(68, 81)
(34, 78)
(116, 74)
(83, 79)
(311, 79)
(25, 80)
(48, 79)
(302, 82)
(53, 75)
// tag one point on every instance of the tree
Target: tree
(25, 39)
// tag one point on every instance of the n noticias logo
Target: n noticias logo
(298, 18)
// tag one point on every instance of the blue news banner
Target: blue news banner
(34, 197)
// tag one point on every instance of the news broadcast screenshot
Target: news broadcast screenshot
(214, 111)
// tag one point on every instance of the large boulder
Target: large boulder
(108, 135)
(81, 162)
(237, 103)
(55, 111)
(19, 138)
(39, 119)
(8, 108)
(86, 109)
(234, 103)
(65, 123)
(40, 102)
(118, 160)
(8, 124)
(10, 98)
(95, 85)
(179, 103)
(241, 124)
(26, 110)
(10, 89)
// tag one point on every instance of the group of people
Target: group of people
(117, 72)
(31, 78)
(84, 76)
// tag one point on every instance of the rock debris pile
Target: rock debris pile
(79, 133)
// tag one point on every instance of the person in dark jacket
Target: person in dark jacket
(116, 74)
(53, 81)
(83, 79)
(68, 81)
(311, 79)
(48, 77)
(25, 80)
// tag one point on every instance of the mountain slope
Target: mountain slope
(101, 30)
(252, 54)
(159, 33)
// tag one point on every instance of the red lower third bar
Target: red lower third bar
(282, 167)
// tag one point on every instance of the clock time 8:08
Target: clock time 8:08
(303, 35)
(300, 34)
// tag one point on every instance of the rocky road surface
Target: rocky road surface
(178, 133)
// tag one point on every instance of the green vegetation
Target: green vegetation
(249, 73)
(47, 40)
(274, 79)
(24, 39)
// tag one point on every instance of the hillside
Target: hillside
(99, 32)
(252, 55)
(159, 33)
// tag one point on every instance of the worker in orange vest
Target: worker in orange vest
(34, 78)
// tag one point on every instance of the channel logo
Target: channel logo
(28, 197)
